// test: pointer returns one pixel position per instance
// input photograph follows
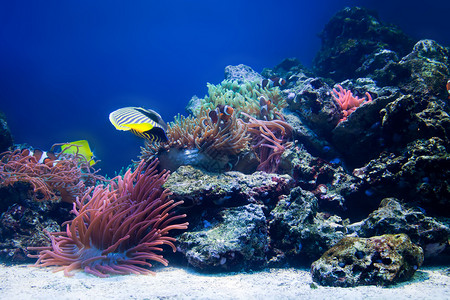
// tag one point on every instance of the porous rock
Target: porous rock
(231, 239)
(418, 174)
(393, 218)
(199, 188)
(379, 260)
(242, 74)
(298, 232)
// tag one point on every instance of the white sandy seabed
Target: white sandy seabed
(22, 282)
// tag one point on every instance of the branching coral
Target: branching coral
(347, 101)
(64, 177)
(117, 228)
(269, 141)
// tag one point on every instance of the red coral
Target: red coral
(347, 101)
(117, 228)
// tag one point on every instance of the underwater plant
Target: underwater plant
(64, 176)
(117, 228)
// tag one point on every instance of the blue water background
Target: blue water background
(65, 65)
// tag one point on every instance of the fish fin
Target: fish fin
(140, 127)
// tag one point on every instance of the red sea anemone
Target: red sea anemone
(117, 228)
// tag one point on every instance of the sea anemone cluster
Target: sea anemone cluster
(243, 97)
(64, 177)
(215, 140)
(117, 228)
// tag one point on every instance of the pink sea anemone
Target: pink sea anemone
(347, 101)
(117, 228)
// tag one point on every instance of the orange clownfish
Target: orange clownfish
(448, 88)
(42, 157)
(222, 112)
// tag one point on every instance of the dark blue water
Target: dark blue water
(65, 65)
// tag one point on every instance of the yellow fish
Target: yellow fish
(80, 147)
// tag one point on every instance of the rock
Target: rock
(393, 218)
(353, 40)
(424, 71)
(412, 117)
(233, 239)
(298, 231)
(6, 139)
(419, 174)
(242, 73)
(327, 181)
(379, 260)
(23, 222)
(199, 188)
(361, 137)
(314, 105)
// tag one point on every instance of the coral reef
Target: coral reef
(117, 228)
(24, 221)
(298, 232)
(379, 260)
(348, 161)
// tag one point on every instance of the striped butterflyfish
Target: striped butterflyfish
(144, 123)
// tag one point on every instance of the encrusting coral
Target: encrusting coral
(117, 228)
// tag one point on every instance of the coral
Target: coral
(65, 177)
(269, 140)
(347, 101)
(380, 260)
(117, 228)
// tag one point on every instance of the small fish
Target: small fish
(79, 147)
(448, 88)
(273, 81)
(144, 123)
(222, 112)
(265, 106)
(42, 157)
